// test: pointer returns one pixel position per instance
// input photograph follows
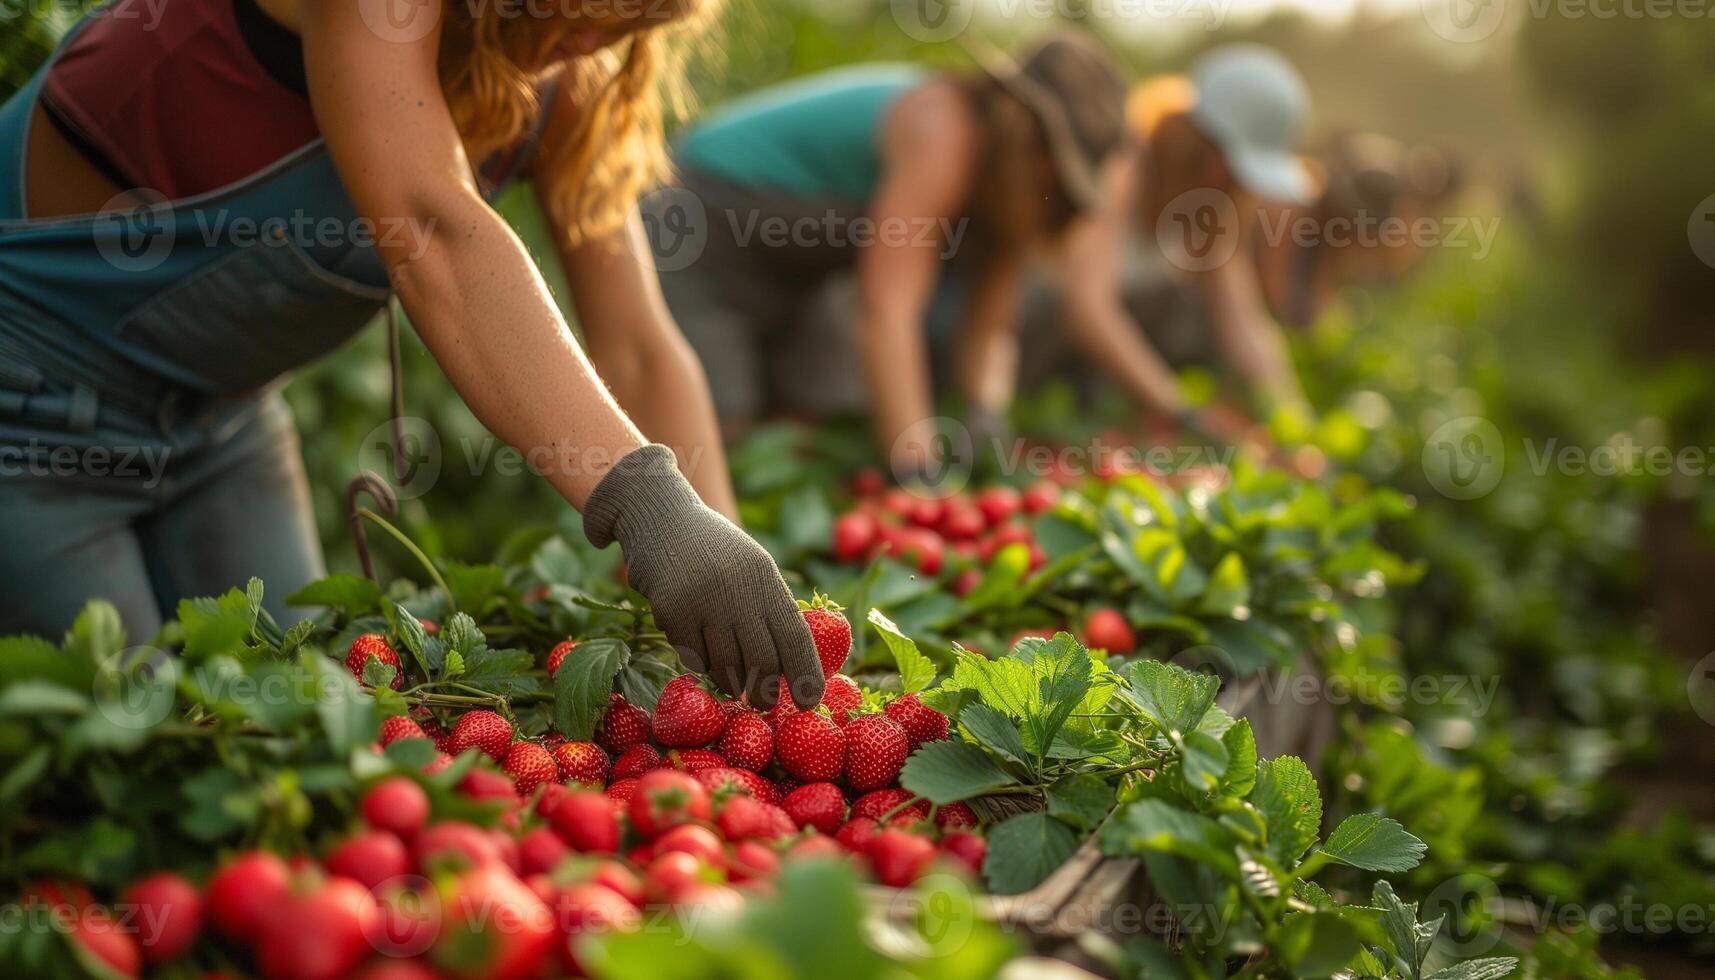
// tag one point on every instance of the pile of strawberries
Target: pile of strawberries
(922, 530)
(693, 806)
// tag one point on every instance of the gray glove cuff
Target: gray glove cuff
(642, 490)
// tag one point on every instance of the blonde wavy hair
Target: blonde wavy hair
(494, 56)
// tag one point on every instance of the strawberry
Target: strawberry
(397, 804)
(369, 858)
(1106, 629)
(540, 850)
(558, 654)
(921, 722)
(455, 841)
(691, 760)
(373, 645)
(966, 848)
(320, 933)
(687, 716)
(442, 738)
(818, 805)
(694, 839)
(875, 752)
(666, 798)
(748, 742)
(998, 504)
(623, 726)
(867, 482)
(854, 534)
(744, 817)
(486, 784)
(829, 630)
(530, 765)
(967, 581)
(588, 821)
(751, 860)
(784, 706)
(1041, 496)
(810, 746)
(880, 803)
(816, 846)
(170, 909)
(493, 925)
(581, 762)
(955, 816)
(484, 730)
(399, 727)
(636, 761)
(725, 780)
(900, 857)
(841, 697)
(245, 892)
(856, 834)
(621, 790)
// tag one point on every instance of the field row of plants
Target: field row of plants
(499, 770)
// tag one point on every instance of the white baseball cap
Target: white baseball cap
(1252, 103)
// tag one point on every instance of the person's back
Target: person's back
(814, 138)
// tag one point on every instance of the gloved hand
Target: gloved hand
(717, 594)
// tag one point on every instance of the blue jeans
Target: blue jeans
(144, 512)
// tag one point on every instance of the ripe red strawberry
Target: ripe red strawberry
(245, 892)
(748, 742)
(664, 799)
(636, 761)
(830, 631)
(623, 726)
(784, 707)
(955, 816)
(883, 801)
(171, 910)
(900, 857)
(856, 834)
(442, 738)
(966, 848)
(373, 645)
(398, 727)
(369, 858)
(1041, 496)
(742, 817)
(841, 697)
(687, 716)
(810, 746)
(691, 760)
(530, 765)
(875, 752)
(581, 762)
(998, 504)
(397, 804)
(484, 730)
(1106, 629)
(921, 722)
(588, 821)
(818, 805)
(323, 932)
(540, 850)
(486, 784)
(725, 780)
(558, 654)
(621, 789)
(854, 534)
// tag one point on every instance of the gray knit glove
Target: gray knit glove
(717, 594)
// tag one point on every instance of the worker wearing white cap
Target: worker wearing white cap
(1208, 147)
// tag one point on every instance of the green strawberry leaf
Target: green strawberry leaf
(1024, 850)
(1488, 968)
(948, 771)
(1229, 588)
(583, 683)
(1240, 777)
(994, 731)
(1288, 799)
(1150, 825)
(916, 671)
(1081, 800)
(1173, 698)
(1318, 944)
(1374, 843)
(1203, 762)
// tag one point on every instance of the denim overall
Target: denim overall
(146, 453)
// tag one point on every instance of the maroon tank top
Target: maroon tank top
(191, 96)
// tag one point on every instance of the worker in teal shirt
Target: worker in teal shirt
(901, 175)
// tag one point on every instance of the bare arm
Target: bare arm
(471, 289)
(928, 151)
(1095, 316)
